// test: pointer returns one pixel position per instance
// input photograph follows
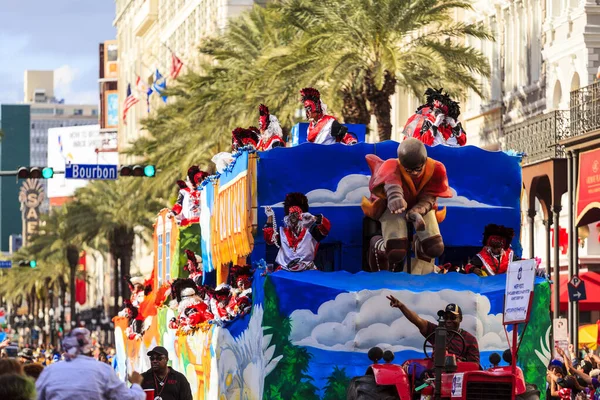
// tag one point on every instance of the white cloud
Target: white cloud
(360, 320)
(461, 201)
(65, 86)
(352, 188)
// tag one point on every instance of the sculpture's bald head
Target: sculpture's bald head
(412, 154)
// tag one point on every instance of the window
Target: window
(60, 111)
(160, 258)
(78, 111)
(168, 254)
(42, 110)
(94, 112)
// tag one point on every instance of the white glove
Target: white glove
(170, 214)
(450, 121)
(269, 212)
(308, 218)
(439, 119)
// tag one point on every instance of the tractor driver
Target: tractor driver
(452, 318)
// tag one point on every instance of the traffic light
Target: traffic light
(35, 172)
(28, 263)
(148, 171)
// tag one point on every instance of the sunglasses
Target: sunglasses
(157, 358)
(417, 169)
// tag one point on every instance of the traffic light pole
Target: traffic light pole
(14, 173)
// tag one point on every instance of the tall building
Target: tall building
(48, 112)
(14, 152)
(147, 32)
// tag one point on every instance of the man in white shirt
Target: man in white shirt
(82, 377)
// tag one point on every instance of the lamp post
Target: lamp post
(73, 259)
(51, 314)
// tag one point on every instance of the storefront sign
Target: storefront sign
(588, 186)
(31, 196)
(519, 288)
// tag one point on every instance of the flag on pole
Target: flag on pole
(143, 90)
(176, 65)
(160, 85)
(130, 101)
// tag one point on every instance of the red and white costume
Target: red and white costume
(436, 121)
(270, 130)
(324, 129)
(192, 310)
(298, 243)
(240, 137)
(488, 262)
(188, 204)
(194, 267)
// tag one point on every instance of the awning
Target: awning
(588, 188)
(588, 336)
(592, 291)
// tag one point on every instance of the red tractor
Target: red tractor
(440, 376)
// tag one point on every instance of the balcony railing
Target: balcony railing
(585, 110)
(538, 137)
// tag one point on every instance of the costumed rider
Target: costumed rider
(323, 128)
(496, 254)
(187, 206)
(139, 290)
(406, 190)
(300, 236)
(240, 302)
(194, 267)
(270, 130)
(192, 310)
(436, 122)
(219, 302)
(240, 137)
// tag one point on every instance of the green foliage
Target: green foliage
(289, 380)
(337, 384)
(535, 337)
(189, 239)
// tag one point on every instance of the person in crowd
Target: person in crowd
(271, 135)
(33, 370)
(323, 128)
(94, 380)
(26, 356)
(452, 317)
(299, 238)
(103, 357)
(403, 190)
(16, 387)
(11, 366)
(167, 383)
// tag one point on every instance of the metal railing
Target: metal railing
(585, 110)
(538, 137)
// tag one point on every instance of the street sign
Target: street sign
(576, 289)
(519, 290)
(91, 171)
(5, 264)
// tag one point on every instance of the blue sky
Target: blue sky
(61, 35)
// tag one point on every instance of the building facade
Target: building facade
(147, 32)
(14, 153)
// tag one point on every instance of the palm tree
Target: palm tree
(375, 46)
(109, 215)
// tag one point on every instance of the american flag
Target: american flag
(130, 101)
(176, 65)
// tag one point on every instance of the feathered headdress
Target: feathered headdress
(436, 98)
(311, 98)
(243, 273)
(268, 123)
(295, 199)
(263, 119)
(195, 175)
(498, 233)
(241, 137)
(181, 286)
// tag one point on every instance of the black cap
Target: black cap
(159, 350)
(453, 309)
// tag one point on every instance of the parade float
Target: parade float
(304, 335)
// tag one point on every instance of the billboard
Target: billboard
(111, 109)
(75, 145)
(111, 59)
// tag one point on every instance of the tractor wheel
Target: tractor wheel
(531, 393)
(365, 388)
